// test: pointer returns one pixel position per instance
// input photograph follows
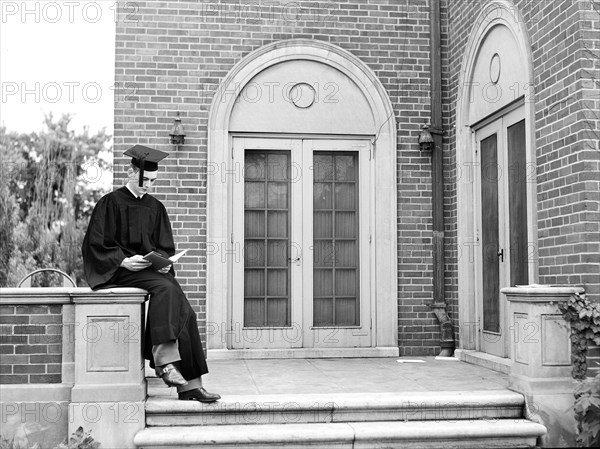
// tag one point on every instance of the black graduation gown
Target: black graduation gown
(122, 226)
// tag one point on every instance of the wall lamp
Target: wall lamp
(177, 134)
(426, 142)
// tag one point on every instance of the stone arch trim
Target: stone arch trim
(494, 13)
(219, 159)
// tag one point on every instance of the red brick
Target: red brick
(13, 339)
(14, 379)
(7, 310)
(29, 330)
(29, 369)
(7, 349)
(31, 349)
(45, 359)
(44, 339)
(14, 319)
(31, 310)
(45, 378)
(46, 319)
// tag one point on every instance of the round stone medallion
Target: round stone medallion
(495, 68)
(302, 95)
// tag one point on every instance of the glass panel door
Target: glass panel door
(519, 176)
(267, 224)
(489, 234)
(337, 223)
(491, 259)
(335, 239)
(266, 238)
(502, 224)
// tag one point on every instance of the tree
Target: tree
(51, 182)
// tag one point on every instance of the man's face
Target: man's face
(149, 178)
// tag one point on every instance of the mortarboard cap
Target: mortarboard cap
(145, 158)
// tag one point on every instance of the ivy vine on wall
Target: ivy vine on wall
(584, 317)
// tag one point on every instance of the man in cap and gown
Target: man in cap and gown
(125, 225)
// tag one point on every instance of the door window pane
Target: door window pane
(254, 253)
(266, 239)
(489, 233)
(345, 311)
(335, 239)
(277, 167)
(277, 282)
(254, 283)
(277, 195)
(323, 312)
(322, 283)
(277, 224)
(345, 196)
(254, 312)
(344, 168)
(254, 195)
(254, 223)
(323, 167)
(276, 311)
(345, 225)
(517, 204)
(254, 165)
(322, 224)
(322, 197)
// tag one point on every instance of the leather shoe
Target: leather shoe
(198, 394)
(170, 375)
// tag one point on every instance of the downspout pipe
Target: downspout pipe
(439, 306)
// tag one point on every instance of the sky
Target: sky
(57, 57)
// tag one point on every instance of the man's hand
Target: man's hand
(165, 270)
(135, 263)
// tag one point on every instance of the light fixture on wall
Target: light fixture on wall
(426, 142)
(177, 134)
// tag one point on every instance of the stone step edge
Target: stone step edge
(339, 432)
(476, 400)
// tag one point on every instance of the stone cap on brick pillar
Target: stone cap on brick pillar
(536, 292)
(67, 295)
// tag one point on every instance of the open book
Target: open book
(159, 261)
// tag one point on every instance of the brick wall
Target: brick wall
(172, 56)
(30, 344)
(567, 145)
(566, 102)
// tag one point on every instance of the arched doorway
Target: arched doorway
(301, 247)
(497, 226)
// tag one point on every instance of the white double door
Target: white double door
(301, 227)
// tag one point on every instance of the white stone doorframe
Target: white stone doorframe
(219, 248)
(496, 12)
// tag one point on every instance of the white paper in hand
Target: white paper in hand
(176, 257)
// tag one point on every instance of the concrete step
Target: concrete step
(336, 408)
(355, 435)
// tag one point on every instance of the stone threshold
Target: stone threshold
(495, 363)
(301, 353)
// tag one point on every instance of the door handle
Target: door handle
(295, 259)
(501, 255)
